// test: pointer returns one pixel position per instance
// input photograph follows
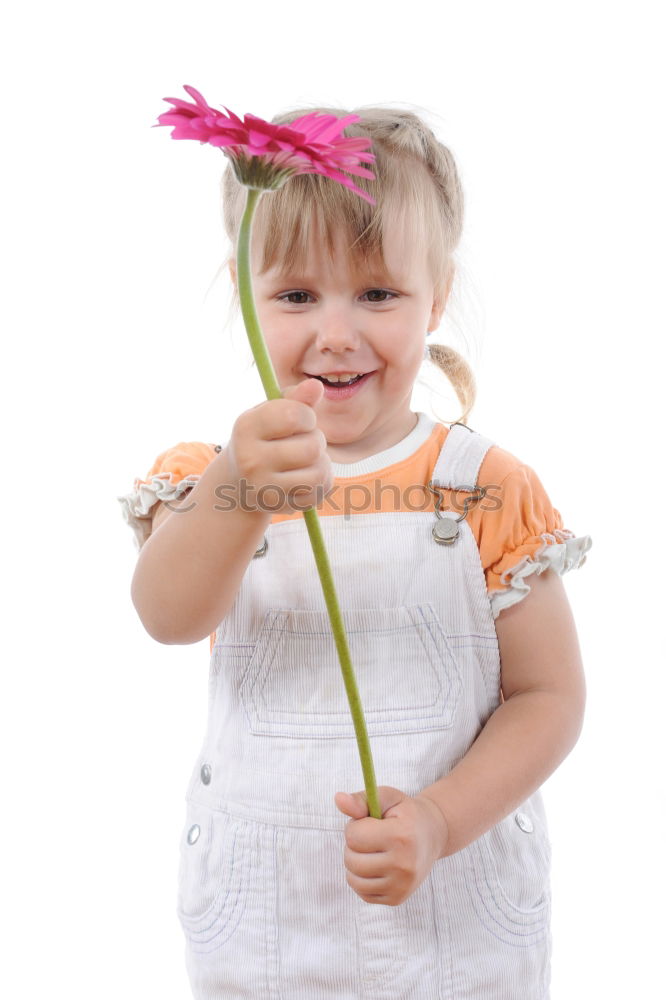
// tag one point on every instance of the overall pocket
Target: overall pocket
(400, 953)
(405, 670)
(215, 865)
(509, 876)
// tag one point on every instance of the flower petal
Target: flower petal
(266, 153)
(197, 97)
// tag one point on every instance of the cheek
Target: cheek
(402, 348)
(281, 344)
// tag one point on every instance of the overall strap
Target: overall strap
(460, 459)
(457, 468)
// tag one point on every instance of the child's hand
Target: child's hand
(277, 448)
(387, 859)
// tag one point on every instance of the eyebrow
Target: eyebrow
(373, 274)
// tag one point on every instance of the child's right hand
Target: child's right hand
(277, 444)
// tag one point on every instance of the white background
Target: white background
(116, 349)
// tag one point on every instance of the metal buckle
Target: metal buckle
(445, 531)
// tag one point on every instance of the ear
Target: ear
(439, 301)
(435, 316)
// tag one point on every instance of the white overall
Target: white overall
(263, 899)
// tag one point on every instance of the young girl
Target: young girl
(446, 554)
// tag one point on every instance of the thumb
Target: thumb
(309, 391)
(354, 804)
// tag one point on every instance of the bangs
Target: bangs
(410, 220)
(310, 206)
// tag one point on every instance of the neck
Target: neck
(372, 443)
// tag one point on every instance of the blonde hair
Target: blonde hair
(417, 186)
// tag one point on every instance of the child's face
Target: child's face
(330, 320)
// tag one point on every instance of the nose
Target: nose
(336, 330)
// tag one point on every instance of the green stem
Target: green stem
(272, 389)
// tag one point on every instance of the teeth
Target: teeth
(340, 378)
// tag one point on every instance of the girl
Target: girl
(446, 554)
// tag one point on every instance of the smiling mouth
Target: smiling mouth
(340, 392)
(337, 384)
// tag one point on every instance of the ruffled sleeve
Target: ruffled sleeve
(171, 475)
(525, 535)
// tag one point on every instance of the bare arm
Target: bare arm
(530, 734)
(190, 568)
(192, 565)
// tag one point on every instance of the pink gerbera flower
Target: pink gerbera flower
(265, 155)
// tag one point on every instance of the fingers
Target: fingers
(279, 444)
(370, 866)
(309, 391)
(375, 890)
(300, 451)
(388, 859)
(297, 404)
(373, 836)
(279, 418)
(278, 447)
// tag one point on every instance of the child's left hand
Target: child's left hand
(387, 859)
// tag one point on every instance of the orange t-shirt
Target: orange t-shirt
(508, 524)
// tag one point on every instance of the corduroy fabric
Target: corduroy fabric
(517, 529)
(262, 898)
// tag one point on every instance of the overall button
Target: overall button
(524, 822)
(206, 772)
(193, 834)
(445, 531)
